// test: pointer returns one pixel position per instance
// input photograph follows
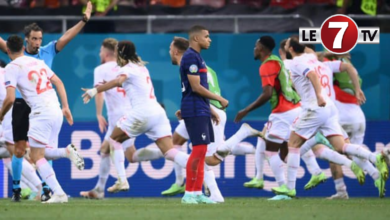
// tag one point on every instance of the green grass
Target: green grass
(233, 208)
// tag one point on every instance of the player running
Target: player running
(319, 113)
(34, 80)
(146, 116)
(117, 104)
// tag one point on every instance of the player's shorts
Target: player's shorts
(112, 121)
(200, 130)
(219, 131)
(353, 121)
(279, 125)
(154, 123)
(324, 120)
(45, 127)
(7, 134)
(20, 120)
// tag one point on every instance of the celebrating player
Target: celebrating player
(117, 104)
(20, 111)
(146, 116)
(320, 113)
(34, 80)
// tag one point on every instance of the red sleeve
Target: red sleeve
(268, 73)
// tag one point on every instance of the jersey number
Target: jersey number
(42, 77)
(151, 95)
(121, 90)
(324, 80)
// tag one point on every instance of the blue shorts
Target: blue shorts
(200, 130)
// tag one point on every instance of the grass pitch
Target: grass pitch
(172, 209)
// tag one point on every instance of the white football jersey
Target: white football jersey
(117, 102)
(3, 91)
(138, 86)
(32, 78)
(302, 65)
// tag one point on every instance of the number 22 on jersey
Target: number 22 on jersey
(41, 79)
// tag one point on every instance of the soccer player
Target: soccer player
(117, 104)
(34, 80)
(146, 116)
(177, 49)
(196, 112)
(20, 111)
(320, 113)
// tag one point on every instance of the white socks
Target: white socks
(356, 150)
(48, 175)
(240, 135)
(277, 166)
(259, 158)
(367, 167)
(54, 154)
(118, 159)
(104, 171)
(311, 163)
(30, 174)
(147, 154)
(179, 171)
(243, 148)
(209, 179)
(340, 186)
(333, 156)
(293, 165)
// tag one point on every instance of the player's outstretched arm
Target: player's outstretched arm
(202, 91)
(8, 102)
(90, 93)
(261, 100)
(315, 81)
(353, 74)
(57, 82)
(71, 33)
(3, 45)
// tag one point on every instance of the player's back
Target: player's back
(192, 104)
(299, 68)
(138, 86)
(116, 100)
(32, 77)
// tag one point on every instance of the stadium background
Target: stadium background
(231, 56)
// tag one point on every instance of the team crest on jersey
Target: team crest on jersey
(193, 68)
(7, 83)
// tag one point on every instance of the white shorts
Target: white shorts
(353, 121)
(154, 124)
(45, 128)
(112, 121)
(7, 134)
(219, 131)
(279, 125)
(324, 120)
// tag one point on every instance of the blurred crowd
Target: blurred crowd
(171, 3)
(101, 6)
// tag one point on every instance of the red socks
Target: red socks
(195, 168)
